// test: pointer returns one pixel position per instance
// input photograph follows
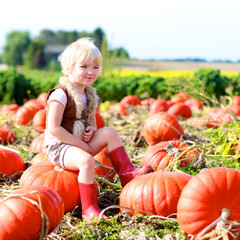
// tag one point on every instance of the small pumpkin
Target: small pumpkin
(131, 100)
(99, 120)
(147, 102)
(64, 182)
(39, 120)
(236, 100)
(10, 163)
(160, 155)
(26, 112)
(194, 104)
(157, 193)
(39, 157)
(42, 99)
(24, 115)
(101, 170)
(161, 127)
(159, 105)
(9, 108)
(205, 196)
(119, 108)
(20, 216)
(37, 143)
(179, 97)
(7, 135)
(180, 110)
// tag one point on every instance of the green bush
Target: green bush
(14, 87)
(117, 88)
(212, 80)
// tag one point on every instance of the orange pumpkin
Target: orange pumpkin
(119, 108)
(131, 100)
(205, 196)
(39, 158)
(160, 155)
(102, 171)
(194, 104)
(147, 102)
(236, 100)
(157, 193)
(161, 127)
(39, 120)
(179, 97)
(64, 182)
(20, 218)
(42, 99)
(159, 105)
(10, 163)
(99, 120)
(7, 135)
(8, 108)
(180, 110)
(37, 144)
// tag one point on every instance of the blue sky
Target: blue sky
(150, 29)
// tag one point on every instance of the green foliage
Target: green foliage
(116, 88)
(16, 45)
(14, 87)
(113, 228)
(212, 80)
(225, 142)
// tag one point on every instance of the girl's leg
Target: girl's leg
(108, 136)
(77, 159)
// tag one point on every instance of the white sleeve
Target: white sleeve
(58, 95)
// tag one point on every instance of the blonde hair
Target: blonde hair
(78, 51)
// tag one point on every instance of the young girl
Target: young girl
(71, 137)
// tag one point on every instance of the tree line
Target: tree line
(21, 49)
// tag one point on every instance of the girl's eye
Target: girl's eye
(83, 66)
(96, 67)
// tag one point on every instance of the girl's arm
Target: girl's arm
(55, 114)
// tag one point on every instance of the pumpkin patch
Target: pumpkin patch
(180, 150)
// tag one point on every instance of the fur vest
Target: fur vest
(75, 117)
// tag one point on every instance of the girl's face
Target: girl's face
(84, 74)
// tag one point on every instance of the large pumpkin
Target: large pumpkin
(161, 127)
(20, 214)
(101, 170)
(10, 162)
(7, 135)
(205, 196)
(160, 155)
(64, 182)
(156, 193)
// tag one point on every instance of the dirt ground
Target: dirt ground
(171, 65)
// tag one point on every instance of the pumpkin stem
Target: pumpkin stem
(220, 222)
(224, 216)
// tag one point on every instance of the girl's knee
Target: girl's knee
(109, 132)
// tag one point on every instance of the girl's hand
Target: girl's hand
(87, 135)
